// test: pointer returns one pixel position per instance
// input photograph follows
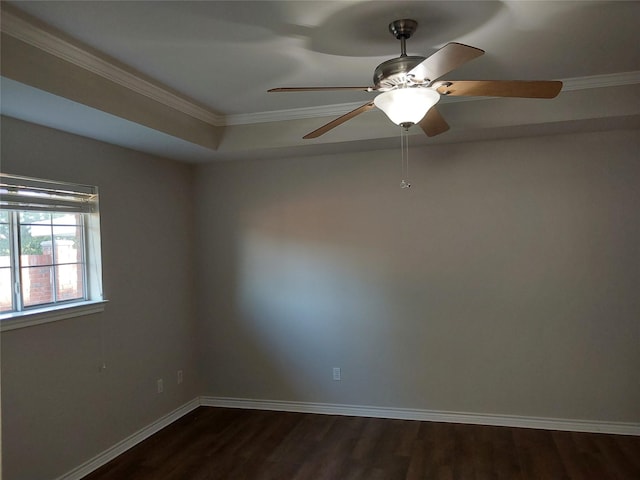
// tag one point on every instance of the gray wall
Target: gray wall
(58, 409)
(505, 281)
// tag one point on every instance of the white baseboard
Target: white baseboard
(354, 411)
(129, 442)
(571, 425)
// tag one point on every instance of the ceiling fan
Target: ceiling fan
(410, 86)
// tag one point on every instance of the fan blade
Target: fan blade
(338, 121)
(319, 89)
(501, 88)
(448, 58)
(433, 123)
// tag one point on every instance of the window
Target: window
(49, 248)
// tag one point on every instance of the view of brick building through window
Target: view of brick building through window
(38, 276)
(6, 288)
(46, 275)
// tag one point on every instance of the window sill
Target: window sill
(30, 318)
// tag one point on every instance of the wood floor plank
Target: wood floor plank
(441, 448)
(504, 458)
(616, 460)
(630, 448)
(220, 443)
(539, 457)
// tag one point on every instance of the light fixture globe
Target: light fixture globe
(406, 105)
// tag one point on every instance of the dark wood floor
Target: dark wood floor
(219, 443)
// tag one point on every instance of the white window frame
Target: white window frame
(19, 193)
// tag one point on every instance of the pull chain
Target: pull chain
(404, 148)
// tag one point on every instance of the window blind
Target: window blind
(24, 193)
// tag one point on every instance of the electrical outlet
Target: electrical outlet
(336, 373)
(160, 385)
(179, 377)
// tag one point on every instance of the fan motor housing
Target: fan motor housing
(393, 73)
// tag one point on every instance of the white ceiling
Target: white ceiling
(226, 55)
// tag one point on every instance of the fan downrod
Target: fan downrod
(403, 29)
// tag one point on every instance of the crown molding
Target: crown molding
(569, 84)
(315, 112)
(600, 81)
(292, 114)
(17, 26)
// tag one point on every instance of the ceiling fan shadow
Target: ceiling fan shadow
(361, 30)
